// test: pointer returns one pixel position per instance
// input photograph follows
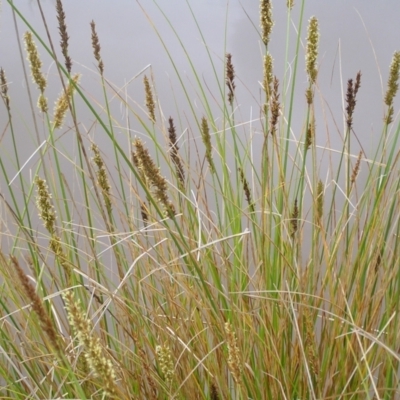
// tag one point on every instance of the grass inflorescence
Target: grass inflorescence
(195, 261)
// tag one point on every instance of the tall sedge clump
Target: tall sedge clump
(392, 87)
(35, 66)
(205, 135)
(37, 305)
(266, 22)
(102, 177)
(96, 48)
(153, 176)
(174, 153)
(149, 99)
(234, 363)
(98, 361)
(230, 78)
(166, 363)
(62, 103)
(4, 89)
(48, 216)
(62, 27)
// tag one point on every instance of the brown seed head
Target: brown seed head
(230, 78)
(312, 49)
(96, 47)
(392, 86)
(4, 89)
(149, 99)
(62, 27)
(266, 21)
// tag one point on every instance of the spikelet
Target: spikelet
(37, 305)
(152, 173)
(266, 22)
(246, 189)
(310, 135)
(356, 168)
(290, 4)
(214, 392)
(392, 86)
(234, 363)
(230, 78)
(275, 107)
(268, 76)
(149, 99)
(99, 364)
(312, 49)
(62, 103)
(205, 135)
(351, 99)
(173, 146)
(164, 357)
(4, 89)
(36, 65)
(43, 202)
(62, 27)
(96, 47)
(102, 177)
(294, 219)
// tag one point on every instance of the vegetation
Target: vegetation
(189, 262)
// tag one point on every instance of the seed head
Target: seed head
(312, 49)
(230, 78)
(96, 47)
(149, 99)
(393, 86)
(35, 62)
(266, 21)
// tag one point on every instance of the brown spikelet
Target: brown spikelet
(214, 392)
(290, 4)
(153, 175)
(392, 86)
(96, 47)
(37, 305)
(309, 345)
(268, 79)
(230, 78)
(294, 219)
(173, 146)
(246, 189)
(234, 363)
(309, 96)
(4, 89)
(266, 21)
(43, 202)
(310, 133)
(145, 213)
(356, 168)
(275, 107)
(62, 27)
(205, 135)
(351, 99)
(149, 99)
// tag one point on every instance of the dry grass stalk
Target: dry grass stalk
(173, 146)
(230, 78)
(312, 49)
(393, 86)
(266, 22)
(96, 48)
(62, 27)
(234, 363)
(149, 99)
(153, 176)
(37, 306)
(99, 363)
